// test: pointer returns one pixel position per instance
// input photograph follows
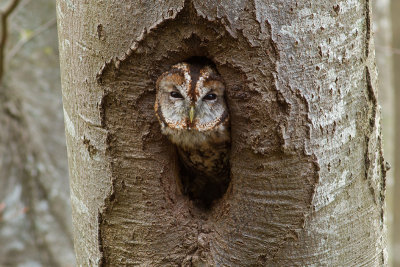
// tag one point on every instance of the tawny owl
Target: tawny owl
(190, 106)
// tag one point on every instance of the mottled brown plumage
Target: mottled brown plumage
(190, 106)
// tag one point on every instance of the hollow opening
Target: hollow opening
(204, 168)
(205, 192)
(200, 61)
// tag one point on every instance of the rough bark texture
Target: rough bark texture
(35, 224)
(395, 7)
(307, 172)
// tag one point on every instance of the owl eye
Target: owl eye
(176, 95)
(210, 96)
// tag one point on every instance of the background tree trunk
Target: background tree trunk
(307, 172)
(384, 59)
(35, 224)
(395, 5)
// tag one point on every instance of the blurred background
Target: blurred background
(35, 213)
(35, 223)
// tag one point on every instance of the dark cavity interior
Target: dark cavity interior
(200, 188)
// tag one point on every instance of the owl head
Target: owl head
(190, 104)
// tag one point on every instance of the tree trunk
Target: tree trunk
(395, 7)
(35, 223)
(307, 172)
(384, 59)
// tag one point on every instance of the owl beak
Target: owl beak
(191, 114)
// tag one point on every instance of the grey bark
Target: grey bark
(35, 224)
(307, 172)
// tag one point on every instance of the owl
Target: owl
(191, 109)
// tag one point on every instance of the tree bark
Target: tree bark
(307, 172)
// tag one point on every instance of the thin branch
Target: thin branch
(10, 7)
(4, 14)
(35, 33)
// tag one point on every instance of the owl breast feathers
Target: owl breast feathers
(190, 106)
